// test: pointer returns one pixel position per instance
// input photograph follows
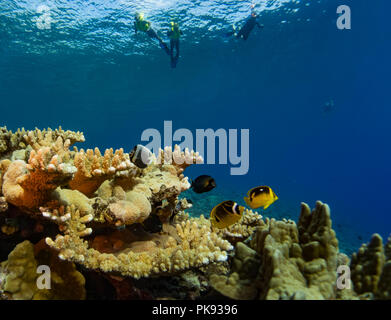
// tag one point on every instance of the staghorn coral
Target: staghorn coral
(38, 138)
(371, 269)
(93, 168)
(10, 142)
(181, 159)
(19, 140)
(20, 275)
(298, 262)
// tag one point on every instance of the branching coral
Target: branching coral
(181, 159)
(191, 245)
(93, 168)
(29, 184)
(10, 141)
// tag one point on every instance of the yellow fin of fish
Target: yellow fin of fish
(225, 214)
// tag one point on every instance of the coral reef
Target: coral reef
(239, 284)
(128, 232)
(19, 275)
(298, 262)
(90, 195)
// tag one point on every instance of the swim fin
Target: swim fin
(173, 63)
(164, 47)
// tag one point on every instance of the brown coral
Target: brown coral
(298, 262)
(20, 275)
(371, 268)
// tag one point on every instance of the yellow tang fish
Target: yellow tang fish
(225, 214)
(262, 196)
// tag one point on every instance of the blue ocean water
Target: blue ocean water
(86, 70)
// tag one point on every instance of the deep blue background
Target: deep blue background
(275, 84)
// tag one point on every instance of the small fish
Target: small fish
(152, 224)
(225, 214)
(203, 184)
(140, 156)
(262, 196)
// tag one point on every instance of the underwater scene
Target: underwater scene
(195, 150)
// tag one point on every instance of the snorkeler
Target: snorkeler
(142, 25)
(174, 34)
(249, 25)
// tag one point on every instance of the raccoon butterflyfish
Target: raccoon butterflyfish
(262, 196)
(225, 214)
(203, 184)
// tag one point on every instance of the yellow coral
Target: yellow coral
(240, 283)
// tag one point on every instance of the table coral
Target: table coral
(20, 139)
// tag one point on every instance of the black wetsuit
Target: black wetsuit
(249, 25)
